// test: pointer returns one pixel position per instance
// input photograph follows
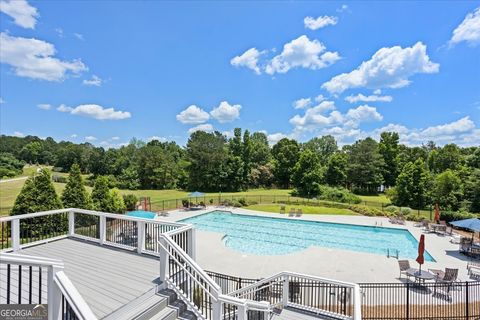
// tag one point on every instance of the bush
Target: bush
(7, 173)
(453, 216)
(118, 206)
(243, 202)
(252, 203)
(366, 211)
(130, 201)
(405, 211)
(236, 204)
(392, 210)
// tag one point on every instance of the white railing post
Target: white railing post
(54, 294)
(15, 234)
(191, 243)
(140, 236)
(216, 306)
(357, 303)
(71, 223)
(163, 262)
(242, 312)
(285, 291)
(103, 229)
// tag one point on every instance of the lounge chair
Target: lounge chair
(474, 269)
(404, 265)
(292, 212)
(393, 220)
(449, 276)
(401, 220)
(282, 209)
(299, 212)
(465, 244)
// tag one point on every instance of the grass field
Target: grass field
(378, 198)
(305, 209)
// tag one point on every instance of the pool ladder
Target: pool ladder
(392, 253)
(378, 224)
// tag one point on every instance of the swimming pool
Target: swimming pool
(142, 214)
(277, 236)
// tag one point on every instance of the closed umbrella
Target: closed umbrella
(421, 250)
(437, 213)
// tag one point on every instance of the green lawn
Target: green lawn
(378, 198)
(275, 208)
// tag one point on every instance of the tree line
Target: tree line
(411, 176)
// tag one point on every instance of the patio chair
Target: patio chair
(465, 244)
(393, 220)
(282, 209)
(299, 212)
(401, 220)
(443, 222)
(292, 212)
(450, 275)
(276, 309)
(442, 291)
(473, 268)
(427, 228)
(404, 265)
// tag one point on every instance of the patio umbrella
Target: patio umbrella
(437, 212)
(421, 249)
(196, 194)
(472, 224)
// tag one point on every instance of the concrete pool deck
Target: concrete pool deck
(337, 264)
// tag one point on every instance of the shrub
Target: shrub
(366, 211)
(236, 204)
(405, 211)
(338, 195)
(392, 210)
(243, 202)
(210, 201)
(252, 203)
(118, 206)
(130, 201)
(7, 173)
(453, 216)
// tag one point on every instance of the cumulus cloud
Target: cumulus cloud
(18, 134)
(302, 52)
(298, 53)
(90, 138)
(388, 68)
(320, 22)
(248, 59)
(275, 137)
(226, 112)
(207, 127)
(371, 98)
(325, 115)
(95, 111)
(161, 139)
(468, 30)
(44, 106)
(302, 103)
(74, 136)
(35, 59)
(94, 81)
(23, 14)
(193, 115)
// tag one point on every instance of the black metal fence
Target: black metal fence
(396, 301)
(23, 284)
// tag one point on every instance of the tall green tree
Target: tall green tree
(472, 191)
(388, 148)
(285, 153)
(324, 146)
(247, 152)
(413, 186)
(448, 157)
(261, 154)
(365, 165)
(307, 174)
(101, 196)
(75, 195)
(447, 192)
(336, 171)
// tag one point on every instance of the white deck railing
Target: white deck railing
(62, 297)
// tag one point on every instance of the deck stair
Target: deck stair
(153, 305)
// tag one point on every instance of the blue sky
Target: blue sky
(294, 69)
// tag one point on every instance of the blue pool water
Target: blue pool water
(277, 236)
(142, 214)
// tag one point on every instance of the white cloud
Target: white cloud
(115, 138)
(302, 103)
(90, 138)
(226, 112)
(161, 139)
(343, 8)
(59, 32)
(207, 127)
(193, 115)
(95, 111)
(301, 52)
(275, 137)
(44, 106)
(23, 14)
(320, 98)
(460, 126)
(248, 59)
(79, 36)
(388, 68)
(18, 134)
(320, 22)
(468, 30)
(2, 101)
(74, 136)
(372, 98)
(361, 114)
(229, 134)
(94, 81)
(35, 59)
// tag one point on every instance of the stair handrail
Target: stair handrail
(58, 284)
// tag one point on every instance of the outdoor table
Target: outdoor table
(420, 276)
(436, 226)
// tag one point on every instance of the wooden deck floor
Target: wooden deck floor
(106, 277)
